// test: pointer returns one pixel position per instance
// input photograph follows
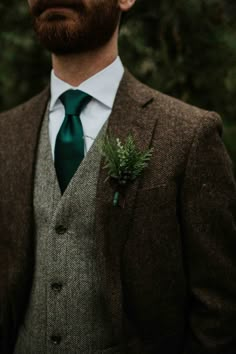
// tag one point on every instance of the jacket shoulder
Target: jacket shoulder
(18, 111)
(170, 111)
(184, 114)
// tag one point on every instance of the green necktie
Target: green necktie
(69, 148)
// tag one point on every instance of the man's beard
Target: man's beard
(85, 29)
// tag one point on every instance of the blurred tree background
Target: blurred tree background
(185, 48)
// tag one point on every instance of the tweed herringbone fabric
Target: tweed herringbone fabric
(76, 313)
(167, 258)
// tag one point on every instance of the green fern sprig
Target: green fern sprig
(124, 161)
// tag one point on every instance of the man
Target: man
(155, 274)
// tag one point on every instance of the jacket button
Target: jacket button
(56, 339)
(56, 286)
(60, 229)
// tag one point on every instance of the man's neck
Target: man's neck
(76, 68)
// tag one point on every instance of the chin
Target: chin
(67, 32)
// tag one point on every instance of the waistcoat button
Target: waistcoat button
(56, 339)
(56, 286)
(60, 229)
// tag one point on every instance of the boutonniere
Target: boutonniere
(124, 162)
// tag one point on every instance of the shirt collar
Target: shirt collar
(102, 86)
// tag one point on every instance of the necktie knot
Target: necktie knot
(74, 101)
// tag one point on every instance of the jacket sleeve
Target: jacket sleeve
(209, 238)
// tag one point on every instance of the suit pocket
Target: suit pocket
(111, 350)
(155, 209)
(161, 196)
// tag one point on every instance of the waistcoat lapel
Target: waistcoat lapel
(112, 223)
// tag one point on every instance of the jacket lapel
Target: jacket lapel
(18, 147)
(112, 223)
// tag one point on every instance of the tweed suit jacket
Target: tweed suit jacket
(167, 255)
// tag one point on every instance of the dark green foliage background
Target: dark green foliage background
(185, 48)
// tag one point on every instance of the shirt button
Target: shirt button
(56, 339)
(60, 229)
(56, 286)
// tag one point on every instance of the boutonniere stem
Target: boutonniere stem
(116, 199)
(124, 162)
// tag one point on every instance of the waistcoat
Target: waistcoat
(66, 312)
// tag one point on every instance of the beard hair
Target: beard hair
(93, 28)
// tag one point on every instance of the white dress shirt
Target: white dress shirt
(102, 87)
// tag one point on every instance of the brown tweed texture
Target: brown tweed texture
(167, 259)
